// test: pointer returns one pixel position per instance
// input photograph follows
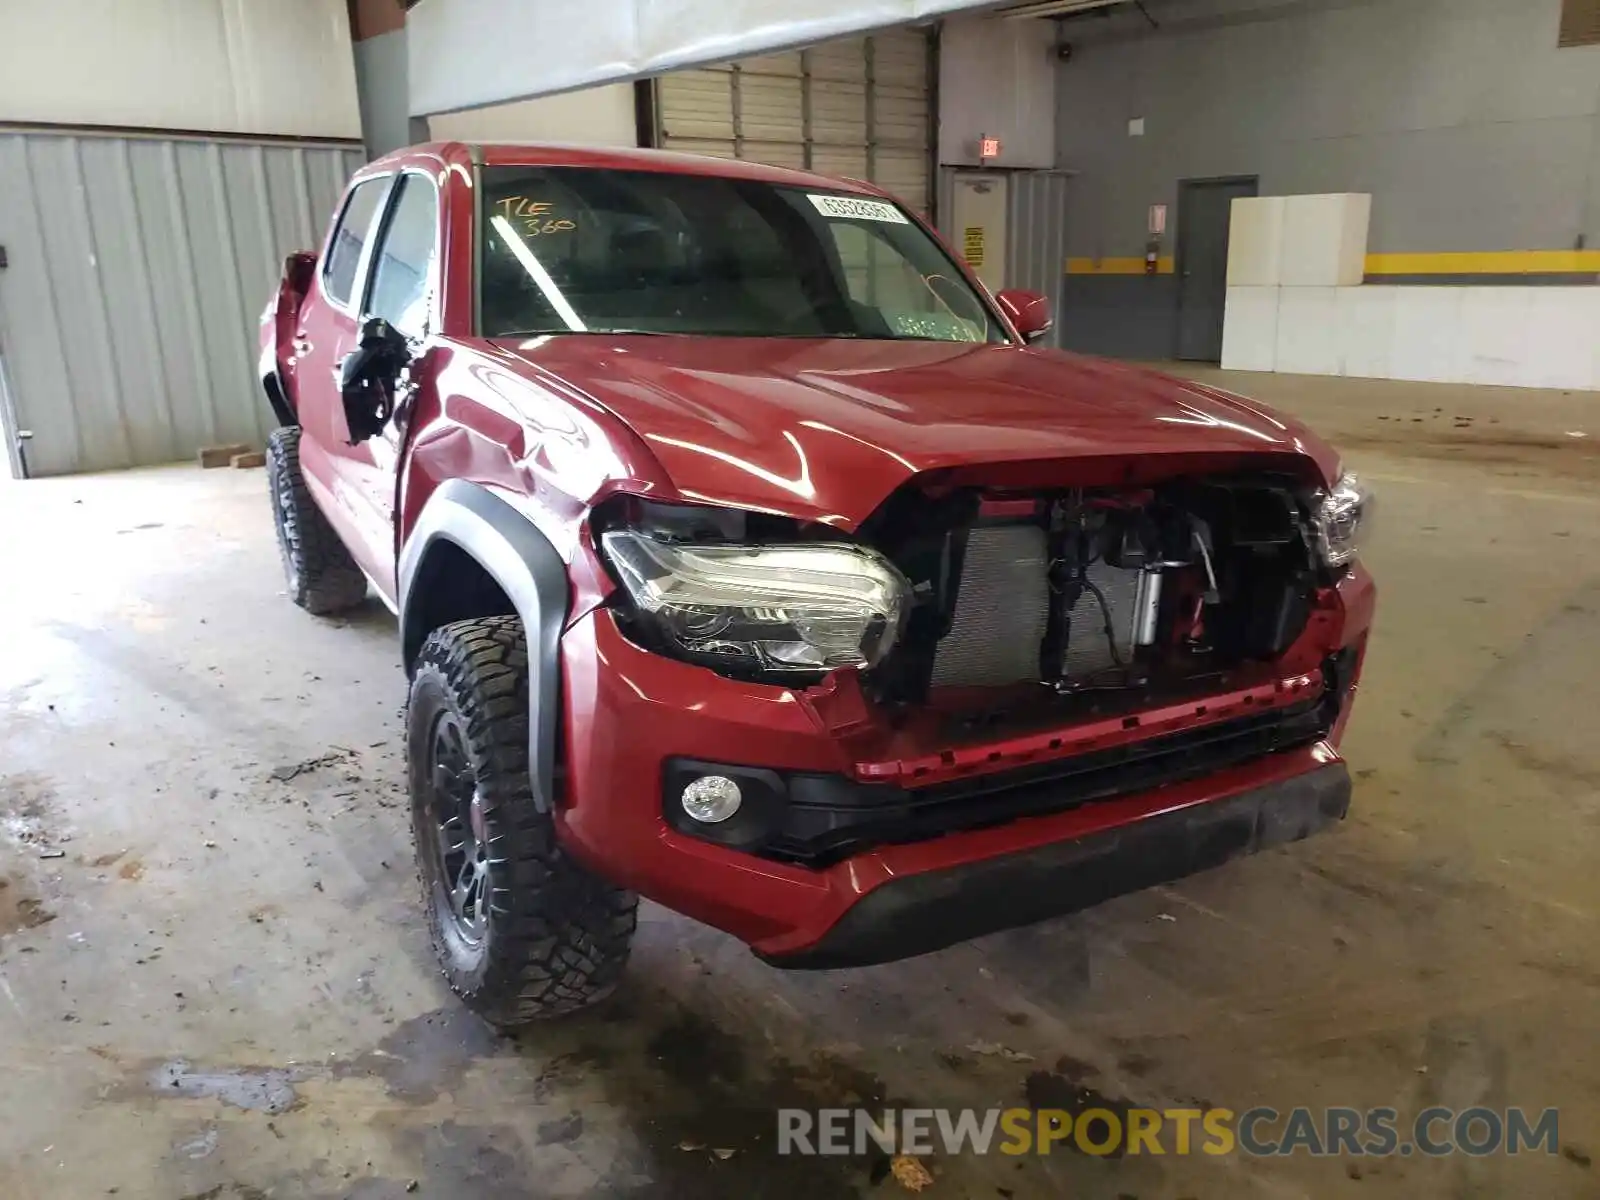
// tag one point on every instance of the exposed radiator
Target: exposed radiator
(1088, 650)
(1003, 606)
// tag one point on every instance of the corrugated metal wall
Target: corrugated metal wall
(139, 267)
(859, 107)
(1036, 232)
(1036, 224)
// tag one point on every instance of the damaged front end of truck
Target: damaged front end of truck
(1009, 641)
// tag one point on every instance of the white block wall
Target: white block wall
(1308, 331)
(1325, 239)
(1255, 241)
(1250, 329)
(1296, 303)
(1543, 337)
(1299, 241)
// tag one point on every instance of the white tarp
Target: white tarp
(217, 66)
(469, 53)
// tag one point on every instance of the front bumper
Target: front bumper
(927, 912)
(631, 713)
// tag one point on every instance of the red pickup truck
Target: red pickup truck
(749, 557)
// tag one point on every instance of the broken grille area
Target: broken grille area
(828, 818)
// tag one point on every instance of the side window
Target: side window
(403, 266)
(355, 226)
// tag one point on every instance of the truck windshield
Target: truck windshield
(579, 250)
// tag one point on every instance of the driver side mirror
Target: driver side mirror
(1028, 311)
(367, 378)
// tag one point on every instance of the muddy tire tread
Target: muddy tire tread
(322, 577)
(559, 935)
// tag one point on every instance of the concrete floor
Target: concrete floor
(214, 982)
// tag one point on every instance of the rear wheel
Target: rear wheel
(321, 575)
(521, 931)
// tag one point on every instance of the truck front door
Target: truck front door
(402, 286)
(328, 328)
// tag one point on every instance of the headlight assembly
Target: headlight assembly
(803, 608)
(1341, 520)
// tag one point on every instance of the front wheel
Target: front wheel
(520, 929)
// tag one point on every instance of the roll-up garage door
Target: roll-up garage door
(857, 107)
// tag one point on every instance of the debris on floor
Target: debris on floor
(221, 456)
(293, 770)
(910, 1174)
(996, 1050)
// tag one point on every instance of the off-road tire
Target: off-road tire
(555, 937)
(322, 577)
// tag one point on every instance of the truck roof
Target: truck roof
(616, 158)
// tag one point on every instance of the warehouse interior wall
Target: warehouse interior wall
(380, 63)
(997, 79)
(217, 66)
(383, 80)
(595, 116)
(158, 159)
(1469, 127)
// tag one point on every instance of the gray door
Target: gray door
(1204, 209)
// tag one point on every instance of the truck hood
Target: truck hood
(826, 429)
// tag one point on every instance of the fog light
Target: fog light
(711, 798)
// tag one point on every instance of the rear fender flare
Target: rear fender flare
(272, 385)
(529, 571)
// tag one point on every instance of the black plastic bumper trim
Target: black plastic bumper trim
(927, 912)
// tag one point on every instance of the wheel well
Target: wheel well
(450, 585)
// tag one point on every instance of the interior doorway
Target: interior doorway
(1205, 207)
(978, 212)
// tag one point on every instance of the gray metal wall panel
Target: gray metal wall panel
(30, 332)
(1036, 255)
(874, 127)
(383, 87)
(1036, 232)
(138, 270)
(1120, 316)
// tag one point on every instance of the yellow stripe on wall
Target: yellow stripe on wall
(1487, 262)
(1116, 266)
(1467, 262)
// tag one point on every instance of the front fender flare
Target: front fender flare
(519, 558)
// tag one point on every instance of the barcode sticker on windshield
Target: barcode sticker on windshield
(860, 210)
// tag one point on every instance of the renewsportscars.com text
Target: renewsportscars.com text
(1260, 1131)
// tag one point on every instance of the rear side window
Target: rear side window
(403, 266)
(355, 226)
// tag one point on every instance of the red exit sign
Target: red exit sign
(988, 147)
